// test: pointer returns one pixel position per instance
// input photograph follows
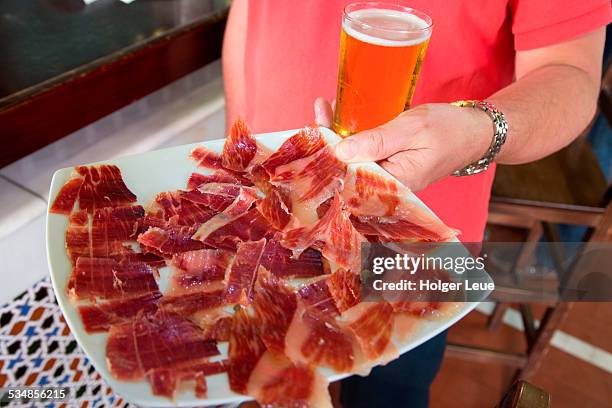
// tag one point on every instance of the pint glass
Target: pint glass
(381, 51)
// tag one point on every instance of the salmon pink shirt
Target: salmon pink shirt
(292, 58)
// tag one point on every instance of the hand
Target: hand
(421, 145)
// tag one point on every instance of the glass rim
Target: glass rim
(387, 6)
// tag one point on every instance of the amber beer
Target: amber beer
(381, 51)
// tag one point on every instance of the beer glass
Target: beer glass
(381, 51)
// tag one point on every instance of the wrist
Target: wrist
(498, 138)
(480, 133)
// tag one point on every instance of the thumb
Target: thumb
(323, 113)
(370, 145)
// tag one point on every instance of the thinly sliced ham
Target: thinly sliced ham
(317, 296)
(316, 339)
(310, 181)
(275, 208)
(279, 261)
(161, 343)
(372, 325)
(99, 317)
(236, 209)
(345, 289)
(333, 234)
(244, 351)
(67, 196)
(218, 328)
(173, 205)
(240, 147)
(110, 230)
(197, 268)
(112, 227)
(380, 208)
(303, 144)
(102, 187)
(169, 239)
(107, 278)
(276, 381)
(135, 257)
(164, 382)
(274, 305)
(270, 378)
(78, 241)
(219, 176)
(243, 272)
(264, 254)
(206, 158)
(216, 196)
(251, 226)
(187, 304)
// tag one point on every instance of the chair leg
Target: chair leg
(497, 316)
(550, 322)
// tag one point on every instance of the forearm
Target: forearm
(553, 99)
(546, 110)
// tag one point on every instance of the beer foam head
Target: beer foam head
(389, 28)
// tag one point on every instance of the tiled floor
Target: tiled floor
(188, 110)
(572, 382)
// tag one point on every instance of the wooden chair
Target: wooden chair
(525, 395)
(567, 187)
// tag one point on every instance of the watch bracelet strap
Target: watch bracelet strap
(499, 137)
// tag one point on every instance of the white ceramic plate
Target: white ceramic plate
(146, 175)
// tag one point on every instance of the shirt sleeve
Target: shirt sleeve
(540, 23)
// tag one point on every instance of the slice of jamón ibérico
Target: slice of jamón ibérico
(269, 377)
(310, 181)
(345, 288)
(303, 144)
(275, 208)
(172, 205)
(107, 278)
(251, 226)
(205, 158)
(217, 327)
(372, 325)
(216, 196)
(162, 341)
(112, 227)
(164, 382)
(196, 268)
(150, 259)
(219, 176)
(102, 187)
(241, 204)
(99, 317)
(168, 239)
(245, 350)
(276, 381)
(333, 234)
(78, 242)
(187, 304)
(317, 296)
(380, 207)
(280, 262)
(274, 305)
(240, 147)
(67, 196)
(243, 272)
(316, 339)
